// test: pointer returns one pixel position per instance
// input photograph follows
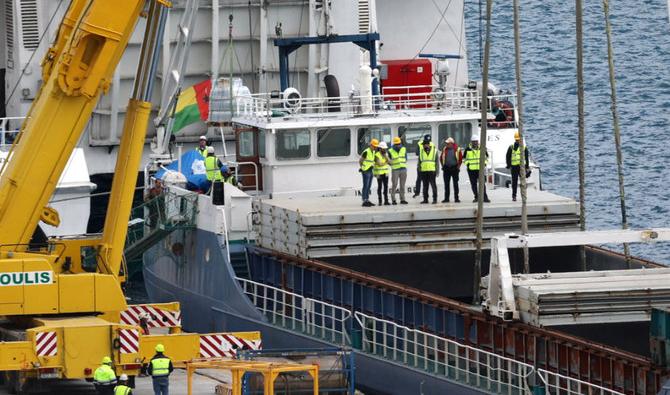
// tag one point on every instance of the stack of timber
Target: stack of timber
(339, 226)
(591, 297)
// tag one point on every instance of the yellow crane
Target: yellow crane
(59, 320)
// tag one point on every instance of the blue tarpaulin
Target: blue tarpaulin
(192, 167)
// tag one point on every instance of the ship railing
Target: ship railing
(9, 129)
(558, 384)
(295, 312)
(443, 357)
(266, 105)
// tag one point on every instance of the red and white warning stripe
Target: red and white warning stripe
(46, 344)
(225, 346)
(130, 341)
(158, 318)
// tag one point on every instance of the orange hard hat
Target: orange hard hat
(396, 140)
(374, 142)
(517, 136)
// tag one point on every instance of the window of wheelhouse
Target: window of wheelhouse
(246, 143)
(261, 143)
(365, 135)
(412, 134)
(333, 142)
(292, 144)
(461, 132)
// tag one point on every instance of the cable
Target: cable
(39, 42)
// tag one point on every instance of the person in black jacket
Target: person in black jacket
(513, 159)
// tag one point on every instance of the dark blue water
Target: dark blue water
(641, 39)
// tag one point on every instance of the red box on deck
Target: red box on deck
(407, 82)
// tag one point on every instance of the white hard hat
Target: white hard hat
(123, 377)
(449, 140)
(474, 137)
(203, 137)
(210, 150)
(383, 145)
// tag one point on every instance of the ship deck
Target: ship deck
(339, 226)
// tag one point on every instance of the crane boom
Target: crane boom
(59, 114)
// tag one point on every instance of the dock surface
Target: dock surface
(314, 227)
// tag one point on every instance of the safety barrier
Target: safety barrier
(557, 384)
(292, 311)
(9, 129)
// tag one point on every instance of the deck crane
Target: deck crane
(60, 319)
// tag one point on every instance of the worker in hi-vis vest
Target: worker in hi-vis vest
(122, 388)
(366, 163)
(202, 146)
(471, 159)
(160, 368)
(513, 159)
(104, 377)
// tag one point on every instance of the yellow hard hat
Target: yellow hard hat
(106, 360)
(396, 140)
(516, 135)
(374, 142)
(160, 348)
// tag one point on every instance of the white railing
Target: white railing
(264, 105)
(444, 357)
(558, 384)
(295, 312)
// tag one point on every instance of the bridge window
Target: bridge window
(292, 144)
(365, 135)
(412, 134)
(333, 142)
(461, 132)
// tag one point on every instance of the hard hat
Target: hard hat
(383, 145)
(224, 169)
(106, 360)
(210, 150)
(374, 142)
(449, 140)
(427, 138)
(474, 138)
(397, 140)
(516, 136)
(123, 377)
(160, 348)
(203, 137)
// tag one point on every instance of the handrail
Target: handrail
(564, 385)
(255, 175)
(296, 312)
(445, 357)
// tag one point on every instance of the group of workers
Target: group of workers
(159, 368)
(215, 170)
(378, 161)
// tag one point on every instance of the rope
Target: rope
(617, 129)
(580, 123)
(519, 121)
(482, 156)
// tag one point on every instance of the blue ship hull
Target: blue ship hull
(190, 268)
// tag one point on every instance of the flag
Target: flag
(192, 105)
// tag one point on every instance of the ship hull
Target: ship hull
(202, 280)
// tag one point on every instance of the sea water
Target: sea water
(641, 40)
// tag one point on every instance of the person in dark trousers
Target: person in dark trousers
(381, 171)
(419, 146)
(451, 159)
(159, 369)
(513, 159)
(366, 163)
(428, 166)
(471, 158)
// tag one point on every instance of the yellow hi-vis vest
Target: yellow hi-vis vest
(160, 367)
(472, 158)
(104, 375)
(121, 390)
(516, 156)
(202, 152)
(368, 159)
(398, 158)
(213, 171)
(383, 168)
(427, 160)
